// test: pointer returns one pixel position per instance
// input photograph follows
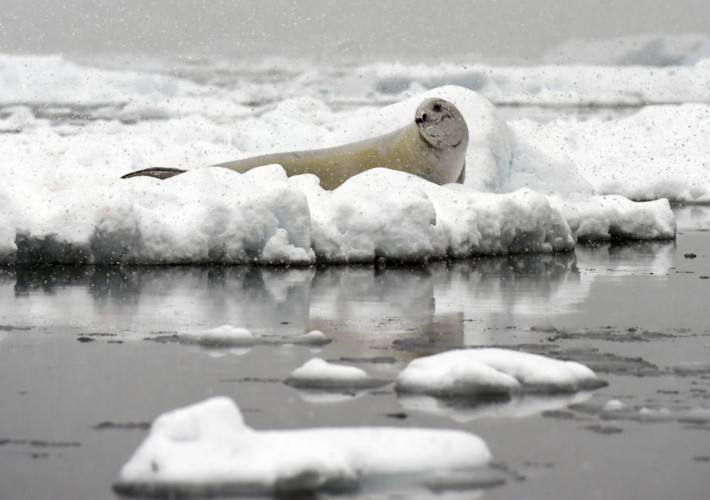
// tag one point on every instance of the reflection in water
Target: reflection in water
(692, 218)
(620, 260)
(56, 386)
(515, 407)
(448, 302)
(501, 288)
(157, 299)
(332, 397)
(371, 305)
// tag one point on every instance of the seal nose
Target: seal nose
(420, 119)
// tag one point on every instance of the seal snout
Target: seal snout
(421, 118)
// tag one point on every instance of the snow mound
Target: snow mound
(315, 337)
(618, 410)
(658, 152)
(491, 372)
(207, 449)
(615, 217)
(320, 374)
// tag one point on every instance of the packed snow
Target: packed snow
(491, 372)
(207, 449)
(320, 374)
(69, 130)
(674, 165)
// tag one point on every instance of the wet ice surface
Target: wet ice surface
(88, 359)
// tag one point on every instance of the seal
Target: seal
(432, 147)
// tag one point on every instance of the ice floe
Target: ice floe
(228, 335)
(320, 374)
(207, 449)
(493, 372)
(531, 186)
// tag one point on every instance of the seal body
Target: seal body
(433, 147)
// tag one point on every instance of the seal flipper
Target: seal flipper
(157, 172)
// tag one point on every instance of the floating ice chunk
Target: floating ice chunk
(615, 409)
(319, 374)
(616, 217)
(490, 372)
(207, 449)
(218, 352)
(221, 335)
(613, 405)
(313, 338)
(314, 335)
(319, 369)
(330, 396)
(228, 335)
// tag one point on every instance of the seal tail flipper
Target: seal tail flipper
(157, 172)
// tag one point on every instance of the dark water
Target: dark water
(81, 375)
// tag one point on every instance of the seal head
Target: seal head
(441, 124)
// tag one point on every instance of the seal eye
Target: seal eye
(436, 108)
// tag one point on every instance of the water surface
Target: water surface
(82, 373)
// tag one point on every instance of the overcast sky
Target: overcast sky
(364, 28)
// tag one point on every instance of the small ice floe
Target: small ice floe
(207, 450)
(329, 396)
(225, 335)
(318, 374)
(617, 410)
(613, 405)
(493, 372)
(312, 338)
(232, 336)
